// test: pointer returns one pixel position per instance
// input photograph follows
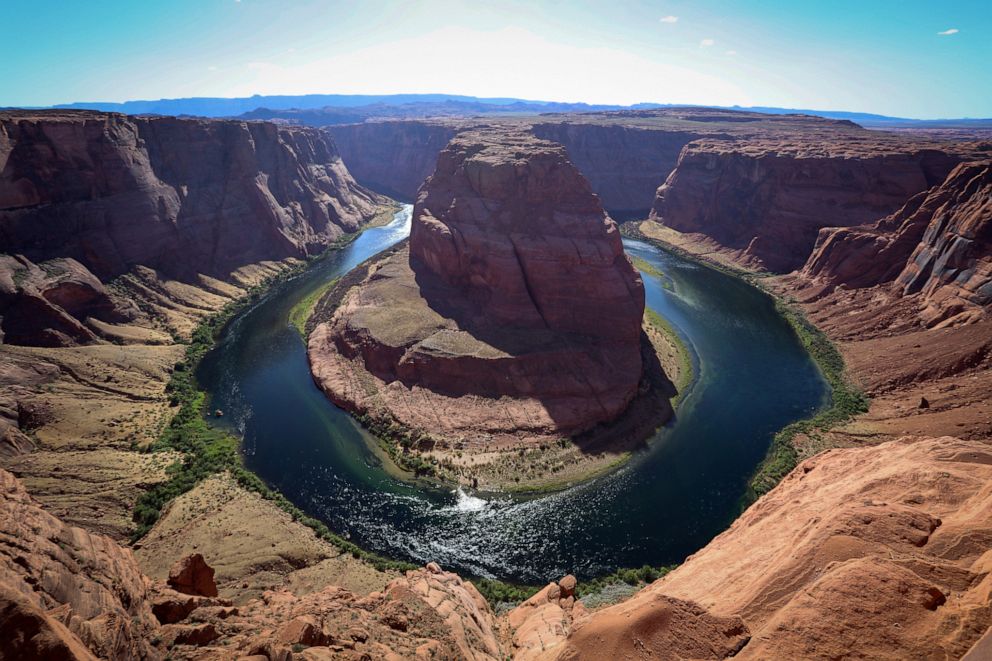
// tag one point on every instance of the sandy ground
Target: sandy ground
(253, 545)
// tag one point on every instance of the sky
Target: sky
(907, 58)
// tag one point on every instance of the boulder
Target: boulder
(192, 575)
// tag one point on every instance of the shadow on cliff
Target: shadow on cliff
(648, 410)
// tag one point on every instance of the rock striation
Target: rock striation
(105, 193)
(514, 313)
(766, 199)
(881, 552)
(937, 248)
(393, 157)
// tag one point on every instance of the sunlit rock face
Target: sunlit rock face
(514, 312)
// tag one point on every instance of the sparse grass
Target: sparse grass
(686, 370)
(846, 401)
(646, 267)
(636, 577)
(303, 310)
(207, 451)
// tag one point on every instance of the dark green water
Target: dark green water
(753, 378)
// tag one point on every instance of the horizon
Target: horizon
(916, 61)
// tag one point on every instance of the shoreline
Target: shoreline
(845, 400)
(206, 450)
(559, 464)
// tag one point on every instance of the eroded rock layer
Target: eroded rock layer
(515, 313)
(937, 247)
(881, 553)
(767, 199)
(102, 194)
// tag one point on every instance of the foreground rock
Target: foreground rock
(514, 316)
(881, 553)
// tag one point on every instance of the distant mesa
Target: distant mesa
(513, 315)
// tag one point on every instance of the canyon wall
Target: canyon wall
(393, 158)
(938, 245)
(624, 164)
(101, 194)
(766, 199)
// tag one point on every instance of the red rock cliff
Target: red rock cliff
(768, 199)
(178, 195)
(517, 313)
(937, 246)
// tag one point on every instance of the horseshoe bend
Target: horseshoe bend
(297, 377)
(513, 319)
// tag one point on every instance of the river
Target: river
(753, 378)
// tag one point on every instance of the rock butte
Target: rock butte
(513, 314)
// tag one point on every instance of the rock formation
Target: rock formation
(880, 551)
(48, 304)
(394, 157)
(63, 589)
(106, 193)
(883, 552)
(69, 594)
(516, 315)
(937, 247)
(766, 199)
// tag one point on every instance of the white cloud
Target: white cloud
(669, 19)
(706, 43)
(731, 53)
(948, 32)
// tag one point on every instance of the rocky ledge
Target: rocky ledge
(513, 316)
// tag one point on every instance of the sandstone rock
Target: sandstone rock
(937, 247)
(769, 198)
(189, 634)
(171, 608)
(48, 304)
(72, 588)
(26, 632)
(951, 267)
(851, 544)
(192, 575)
(496, 318)
(392, 157)
(302, 631)
(567, 585)
(181, 196)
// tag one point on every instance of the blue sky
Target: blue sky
(910, 58)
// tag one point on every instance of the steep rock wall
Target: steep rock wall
(938, 245)
(392, 157)
(178, 195)
(769, 200)
(624, 164)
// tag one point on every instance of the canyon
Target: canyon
(121, 234)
